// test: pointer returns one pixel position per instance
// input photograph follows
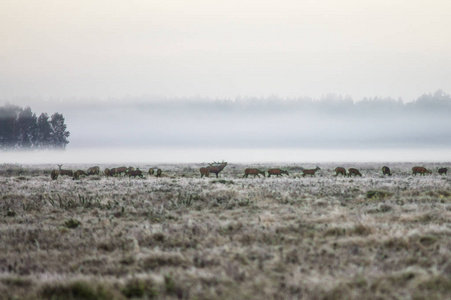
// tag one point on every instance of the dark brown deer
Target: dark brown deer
(93, 170)
(354, 171)
(54, 174)
(65, 172)
(310, 171)
(422, 170)
(277, 172)
(151, 171)
(340, 170)
(204, 172)
(386, 171)
(78, 173)
(134, 173)
(443, 171)
(113, 172)
(159, 173)
(216, 167)
(108, 172)
(121, 170)
(255, 172)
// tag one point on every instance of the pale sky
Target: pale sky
(110, 48)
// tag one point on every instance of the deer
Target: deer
(277, 172)
(216, 167)
(354, 171)
(65, 172)
(340, 170)
(158, 173)
(54, 174)
(151, 171)
(255, 172)
(134, 173)
(443, 171)
(107, 172)
(78, 173)
(93, 170)
(121, 170)
(422, 170)
(204, 172)
(386, 171)
(310, 171)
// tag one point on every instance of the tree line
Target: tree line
(21, 129)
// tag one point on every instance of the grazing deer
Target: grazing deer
(386, 171)
(108, 172)
(354, 171)
(93, 171)
(340, 170)
(216, 167)
(310, 171)
(422, 170)
(54, 174)
(255, 172)
(158, 173)
(113, 171)
(134, 173)
(121, 170)
(78, 173)
(204, 172)
(277, 172)
(151, 171)
(443, 171)
(65, 172)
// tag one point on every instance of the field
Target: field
(183, 237)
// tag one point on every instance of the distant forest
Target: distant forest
(20, 129)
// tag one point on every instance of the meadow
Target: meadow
(183, 237)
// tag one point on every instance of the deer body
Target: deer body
(386, 171)
(443, 171)
(310, 171)
(134, 173)
(340, 170)
(63, 172)
(422, 170)
(255, 172)
(54, 174)
(78, 173)
(93, 170)
(354, 171)
(216, 168)
(159, 173)
(277, 172)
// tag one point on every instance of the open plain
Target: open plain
(183, 237)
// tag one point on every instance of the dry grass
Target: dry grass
(229, 238)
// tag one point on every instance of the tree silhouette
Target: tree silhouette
(60, 134)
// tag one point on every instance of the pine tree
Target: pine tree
(45, 132)
(60, 134)
(27, 129)
(8, 126)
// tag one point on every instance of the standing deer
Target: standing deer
(443, 171)
(422, 170)
(216, 167)
(54, 174)
(204, 172)
(65, 172)
(151, 171)
(277, 172)
(386, 171)
(340, 170)
(354, 171)
(158, 173)
(310, 171)
(255, 172)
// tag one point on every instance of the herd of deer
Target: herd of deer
(130, 171)
(216, 168)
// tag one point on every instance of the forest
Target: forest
(21, 129)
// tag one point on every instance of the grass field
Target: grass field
(182, 237)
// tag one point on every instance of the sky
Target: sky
(290, 48)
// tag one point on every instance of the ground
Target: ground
(180, 236)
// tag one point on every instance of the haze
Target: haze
(83, 49)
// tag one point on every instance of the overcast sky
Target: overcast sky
(110, 48)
